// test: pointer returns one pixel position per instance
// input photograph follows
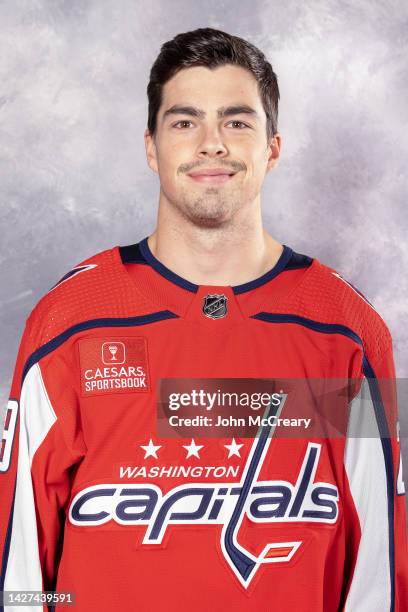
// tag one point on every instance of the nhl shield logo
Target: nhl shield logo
(215, 306)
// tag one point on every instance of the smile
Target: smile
(211, 178)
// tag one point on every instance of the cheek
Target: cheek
(174, 156)
(250, 152)
(169, 163)
(258, 164)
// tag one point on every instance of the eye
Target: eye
(235, 121)
(182, 121)
(240, 122)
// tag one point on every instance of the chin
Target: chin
(209, 220)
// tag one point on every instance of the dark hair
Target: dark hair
(212, 48)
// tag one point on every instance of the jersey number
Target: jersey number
(8, 434)
(400, 479)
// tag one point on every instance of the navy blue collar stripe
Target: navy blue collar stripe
(140, 253)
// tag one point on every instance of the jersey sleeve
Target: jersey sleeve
(373, 467)
(36, 461)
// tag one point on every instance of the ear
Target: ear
(151, 151)
(274, 148)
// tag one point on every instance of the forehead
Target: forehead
(219, 86)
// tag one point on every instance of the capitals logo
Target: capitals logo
(219, 503)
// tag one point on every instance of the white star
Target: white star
(233, 448)
(150, 449)
(192, 449)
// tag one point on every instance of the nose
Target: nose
(212, 143)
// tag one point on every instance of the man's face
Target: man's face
(198, 137)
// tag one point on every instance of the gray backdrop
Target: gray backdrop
(73, 107)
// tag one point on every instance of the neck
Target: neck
(230, 254)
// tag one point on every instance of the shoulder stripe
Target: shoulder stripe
(53, 344)
(354, 289)
(326, 328)
(74, 272)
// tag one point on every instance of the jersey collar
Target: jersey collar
(141, 253)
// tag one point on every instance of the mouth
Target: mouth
(212, 178)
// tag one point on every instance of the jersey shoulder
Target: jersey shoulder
(326, 295)
(95, 288)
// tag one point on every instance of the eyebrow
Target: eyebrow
(223, 111)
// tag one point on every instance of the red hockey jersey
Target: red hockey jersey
(95, 502)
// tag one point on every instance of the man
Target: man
(95, 501)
